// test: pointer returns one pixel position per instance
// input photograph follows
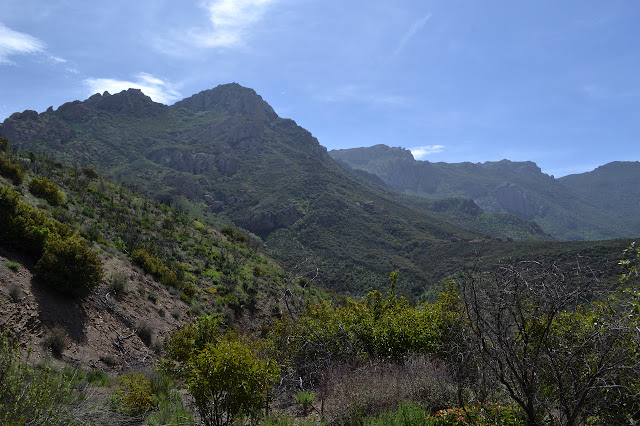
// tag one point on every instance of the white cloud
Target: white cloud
(157, 89)
(17, 43)
(419, 152)
(415, 27)
(229, 26)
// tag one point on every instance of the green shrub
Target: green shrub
(133, 395)
(57, 341)
(119, 283)
(144, 332)
(15, 292)
(11, 170)
(70, 267)
(90, 173)
(305, 400)
(227, 380)
(24, 226)
(14, 266)
(234, 235)
(97, 377)
(32, 396)
(44, 188)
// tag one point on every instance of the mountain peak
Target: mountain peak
(229, 98)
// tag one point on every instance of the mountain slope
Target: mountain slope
(564, 211)
(226, 154)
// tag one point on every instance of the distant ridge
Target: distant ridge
(601, 204)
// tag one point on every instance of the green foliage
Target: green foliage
(226, 375)
(70, 267)
(378, 326)
(31, 395)
(305, 400)
(24, 226)
(153, 265)
(228, 379)
(408, 414)
(14, 266)
(488, 414)
(97, 378)
(233, 235)
(90, 173)
(11, 170)
(44, 188)
(631, 263)
(133, 395)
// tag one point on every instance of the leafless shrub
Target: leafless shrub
(350, 392)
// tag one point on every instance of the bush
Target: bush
(32, 396)
(44, 188)
(14, 266)
(144, 332)
(225, 374)
(24, 226)
(90, 173)
(227, 380)
(57, 341)
(119, 283)
(133, 395)
(11, 170)
(305, 400)
(70, 267)
(15, 292)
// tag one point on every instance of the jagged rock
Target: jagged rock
(216, 206)
(74, 111)
(184, 185)
(266, 221)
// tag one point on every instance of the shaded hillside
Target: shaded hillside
(614, 188)
(563, 210)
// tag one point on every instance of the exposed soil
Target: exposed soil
(97, 332)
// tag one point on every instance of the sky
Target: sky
(554, 82)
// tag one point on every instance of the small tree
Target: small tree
(536, 329)
(70, 266)
(226, 374)
(228, 379)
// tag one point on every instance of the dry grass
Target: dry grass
(350, 392)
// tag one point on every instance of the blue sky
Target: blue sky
(555, 82)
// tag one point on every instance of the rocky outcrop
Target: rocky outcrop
(30, 126)
(131, 101)
(514, 200)
(184, 185)
(264, 222)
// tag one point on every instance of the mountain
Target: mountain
(225, 154)
(614, 188)
(599, 205)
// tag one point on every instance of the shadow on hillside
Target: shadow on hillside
(56, 310)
